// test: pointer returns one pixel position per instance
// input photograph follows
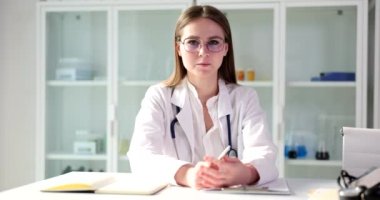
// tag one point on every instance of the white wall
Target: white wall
(17, 92)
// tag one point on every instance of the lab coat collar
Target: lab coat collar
(180, 98)
(224, 102)
(179, 94)
(224, 109)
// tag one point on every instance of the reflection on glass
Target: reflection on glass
(76, 45)
(146, 44)
(76, 117)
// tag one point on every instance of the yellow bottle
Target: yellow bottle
(250, 75)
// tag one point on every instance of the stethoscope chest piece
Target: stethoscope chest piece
(232, 153)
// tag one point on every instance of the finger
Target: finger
(209, 158)
(206, 157)
(212, 175)
(211, 182)
(204, 164)
(211, 163)
(202, 180)
(211, 185)
(230, 159)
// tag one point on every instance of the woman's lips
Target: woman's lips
(203, 64)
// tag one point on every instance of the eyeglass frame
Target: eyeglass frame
(201, 43)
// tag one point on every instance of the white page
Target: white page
(278, 186)
(132, 185)
(77, 181)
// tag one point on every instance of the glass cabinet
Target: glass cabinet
(253, 40)
(143, 60)
(324, 90)
(96, 60)
(75, 91)
(295, 47)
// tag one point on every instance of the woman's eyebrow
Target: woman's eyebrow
(209, 38)
(192, 37)
(217, 37)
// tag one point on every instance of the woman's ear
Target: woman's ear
(225, 49)
(178, 48)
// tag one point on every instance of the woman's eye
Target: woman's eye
(214, 42)
(193, 42)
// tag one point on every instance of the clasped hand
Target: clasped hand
(213, 173)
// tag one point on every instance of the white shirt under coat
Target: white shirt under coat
(210, 142)
(152, 150)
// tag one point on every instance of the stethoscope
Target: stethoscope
(231, 153)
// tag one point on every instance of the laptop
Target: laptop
(361, 149)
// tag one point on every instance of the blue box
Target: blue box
(335, 76)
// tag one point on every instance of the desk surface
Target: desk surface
(299, 187)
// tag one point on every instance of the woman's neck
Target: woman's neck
(206, 88)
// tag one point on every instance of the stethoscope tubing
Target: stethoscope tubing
(231, 152)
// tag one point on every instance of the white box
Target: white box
(73, 69)
(73, 74)
(83, 147)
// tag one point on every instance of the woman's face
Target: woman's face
(202, 48)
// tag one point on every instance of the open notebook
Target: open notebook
(103, 183)
(277, 187)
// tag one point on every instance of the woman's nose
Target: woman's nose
(203, 51)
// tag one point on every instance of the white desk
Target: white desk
(299, 187)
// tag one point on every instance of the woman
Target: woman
(186, 122)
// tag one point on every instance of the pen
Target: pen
(224, 152)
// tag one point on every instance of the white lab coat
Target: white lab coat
(152, 150)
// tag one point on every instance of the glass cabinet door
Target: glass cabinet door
(145, 57)
(76, 91)
(321, 64)
(253, 40)
(255, 34)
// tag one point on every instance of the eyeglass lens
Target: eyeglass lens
(193, 45)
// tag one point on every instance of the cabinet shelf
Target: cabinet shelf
(139, 83)
(347, 84)
(257, 83)
(246, 83)
(328, 163)
(56, 83)
(123, 158)
(65, 156)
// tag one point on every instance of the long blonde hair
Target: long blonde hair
(227, 69)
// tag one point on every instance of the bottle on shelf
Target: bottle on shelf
(322, 153)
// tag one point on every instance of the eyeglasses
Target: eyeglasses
(193, 45)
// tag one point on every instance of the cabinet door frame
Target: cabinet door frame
(361, 47)
(43, 8)
(361, 65)
(177, 5)
(252, 5)
(111, 8)
(277, 91)
(280, 62)
(376, 88)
